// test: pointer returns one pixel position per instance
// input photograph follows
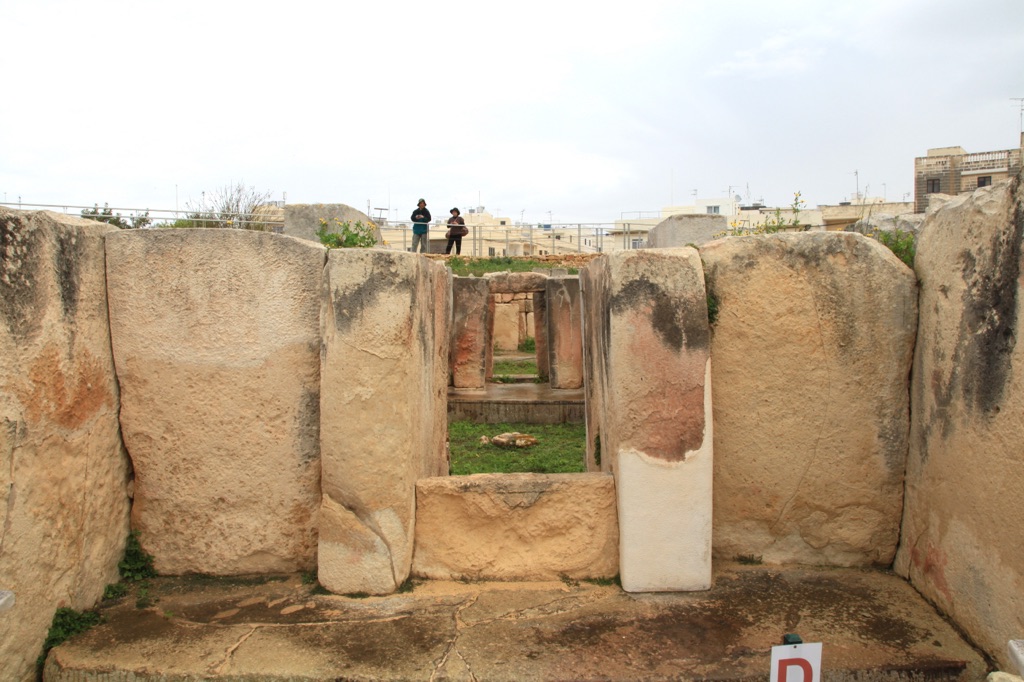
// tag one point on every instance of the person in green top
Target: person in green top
(420, 226)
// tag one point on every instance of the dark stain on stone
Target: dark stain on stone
(21, 299)
(988, 324)
(349, 304)
(308, 428)
(67, 258)
(678, 321)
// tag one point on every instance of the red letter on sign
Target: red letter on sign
(803, 663)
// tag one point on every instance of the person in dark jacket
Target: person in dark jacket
(456, 231)
(420, 227)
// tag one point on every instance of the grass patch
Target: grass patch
(560, 449)
(66, 624)
(529, 345)
(524, 366)
(749, 559)
(477, 267)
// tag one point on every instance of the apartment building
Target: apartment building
(951, 170)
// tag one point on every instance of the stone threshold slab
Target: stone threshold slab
(872, 624)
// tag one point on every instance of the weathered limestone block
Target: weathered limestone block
(216, 336)
(681, 230)
(540, 334)
(649, 411)
(963, 520)
(384, 409)
(565, 332)
(506, 326)
(63, 470)
(811, 350)
(470, 324)
(516, 527)
(515, 282)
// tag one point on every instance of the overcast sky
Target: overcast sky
(585, 110)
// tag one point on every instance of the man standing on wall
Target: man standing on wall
(420, 225)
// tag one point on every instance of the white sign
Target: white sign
(796, 663)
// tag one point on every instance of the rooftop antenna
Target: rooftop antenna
(1020, 101)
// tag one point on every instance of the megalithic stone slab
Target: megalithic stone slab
(811, 350)
(565, 332)
(647, 340)
(216, 336)
(540, 334)
(63, 470)
(471, 297)
(962, 543)
(383, 408)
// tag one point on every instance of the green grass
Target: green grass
(477, 267)
(560, 449)
(525, 366)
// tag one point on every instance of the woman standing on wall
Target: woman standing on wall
(420, 226)
(456, 231)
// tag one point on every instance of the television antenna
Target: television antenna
(1020, 102)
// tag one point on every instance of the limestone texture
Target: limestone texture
(516, 527)
(685, 230)
(216, 336)
(469, 336)
(63, 470)
(564, 332)
(384, 407)
(648, 389)
(811, 352)
(963, 520)
(515, 282)
(303, 220)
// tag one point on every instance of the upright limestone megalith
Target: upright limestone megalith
(649, 411)
(564, 332)
(384, 411)
(472, 307)
(963, 518)
(63, 470)
(811, 350)
(216, 335)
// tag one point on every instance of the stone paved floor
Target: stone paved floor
(873, 626)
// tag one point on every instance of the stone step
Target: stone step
(872, 625)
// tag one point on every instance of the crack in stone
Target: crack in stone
(219, 669)
(452, 645)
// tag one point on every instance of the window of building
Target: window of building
(502, 222)
(714, 210)
(490, 251)
(933, 186)
(984, 181)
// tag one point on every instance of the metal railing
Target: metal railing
(158, 217)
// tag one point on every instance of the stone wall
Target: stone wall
(216, 335)
(383, 411)
(64, 493)
(811, 353)
(964, 510)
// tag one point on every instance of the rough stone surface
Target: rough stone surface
(516, 527)
(875, 627)
(811, 353)
(469, 337)
(963, 521)
(384, 380)
(216, 336)
(684, 230)
(649, 410)
(63, 470)
(506, 325)
(564, 332)
(303, 220)
(540, 335)
(515, 282)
